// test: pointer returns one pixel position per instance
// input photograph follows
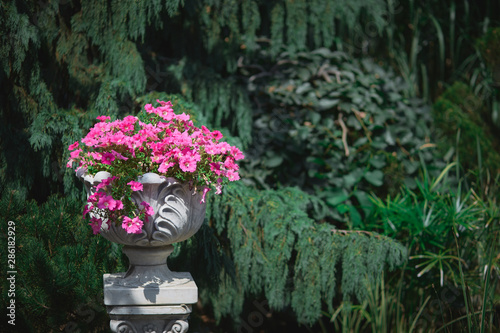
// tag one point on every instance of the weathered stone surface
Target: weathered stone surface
(184, 292)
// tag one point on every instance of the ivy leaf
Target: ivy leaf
(337, 198)
(326, 103)
(364, 201)
(274, 161)
(352, 178)
(378, 161)
(303, 88)
(355, 216)
(375, 177)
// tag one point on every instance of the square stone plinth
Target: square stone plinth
(182, 291)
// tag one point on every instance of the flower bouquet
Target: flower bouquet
(157, 143)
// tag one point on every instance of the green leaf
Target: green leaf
(378, 161)
(337, 197)
(364, 201)
(343, 208)
(274, 161)
(353, 178)
(326, 103)
(303, 88)
(375, 177)
(355, 216)
(315, 117)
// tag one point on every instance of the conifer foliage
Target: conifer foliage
(59, 266)
(277, 250)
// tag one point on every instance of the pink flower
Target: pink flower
(105, 182)
(217, 135)
(87, 209)
(182, 117)
(232, 175)
(215, 167)
(107, 158)
(148, 210)
(205, 191)
(212, 149)
(69, 164)
(119, 205)
(75, 154)
(106, 201)
(218, 189)
(164, 166)
(96, 156)
(103, 118)
(112, 205)
(237, 154)
(95, 223)
(73, 146)
(95, 197)
(135, 186)
(229, 164)
(119, 156)
(187, 164)
(132, 226)
(164, 103)
(129, 120)
(188, 159)
(218, 186)
(223, 147)
(205, 130)
(90, 142)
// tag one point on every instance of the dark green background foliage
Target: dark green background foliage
(337, 127)
(59, 265)
(460, 116)
(370, 129)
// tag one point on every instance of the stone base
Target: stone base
(184, 292)
(150, 308)
(149, 319)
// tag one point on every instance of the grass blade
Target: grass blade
(440, 37)
(480, 162)
(486, 285)
(458, 319)
(452, 34)
(442, 174)
(412, 327)
(464, 288)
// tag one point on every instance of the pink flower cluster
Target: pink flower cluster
(163, 142)
(104, 202)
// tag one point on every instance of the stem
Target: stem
(485, 294)
(322, 325)
(464, 290)
(418, 314)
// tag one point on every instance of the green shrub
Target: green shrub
(336, 127)
(452, 236)
(263, 244)
(489, 45)
(59, 266)
(461, 128)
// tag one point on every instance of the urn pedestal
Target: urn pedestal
(149, 297)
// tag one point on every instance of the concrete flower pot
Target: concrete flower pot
(149, 294)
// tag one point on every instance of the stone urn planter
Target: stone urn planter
(149, 297)
(126, 166)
